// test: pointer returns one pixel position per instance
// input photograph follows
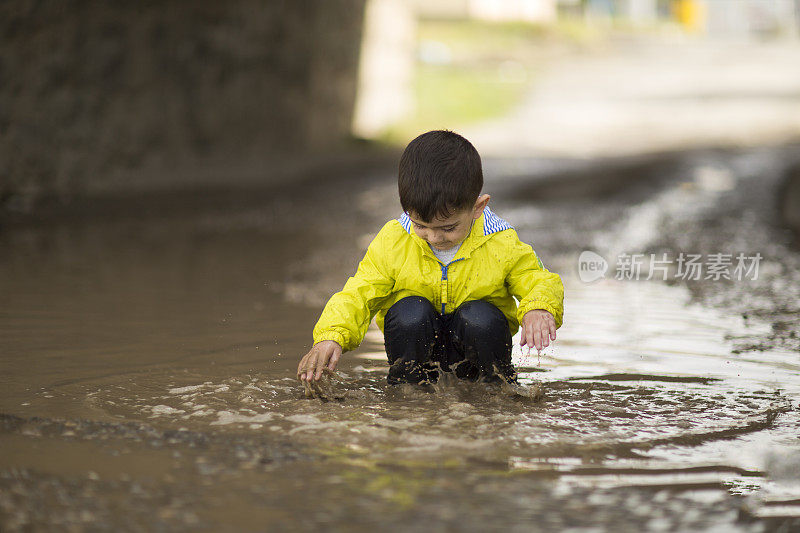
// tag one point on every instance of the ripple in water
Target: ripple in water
(589, 418)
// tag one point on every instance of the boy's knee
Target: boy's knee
(482, 334)
(410, 313)
(479, 314)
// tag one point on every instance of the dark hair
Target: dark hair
(440, 172)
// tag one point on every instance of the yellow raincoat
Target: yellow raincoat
(492, 265)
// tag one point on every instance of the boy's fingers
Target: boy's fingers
(545, 334)
(318, 366)
(304, 366)
(308, 368)
(302, 372)
(334, 360)
(537, 339)
(553, 330)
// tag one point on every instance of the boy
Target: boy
(441, 279)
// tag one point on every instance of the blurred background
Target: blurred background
(572, 72)
(103, 99)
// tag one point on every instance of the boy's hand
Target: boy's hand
(538, 329)
(325, 353)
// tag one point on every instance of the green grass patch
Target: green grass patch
(449, 96)
(479, 71)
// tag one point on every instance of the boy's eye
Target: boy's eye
(447, 229)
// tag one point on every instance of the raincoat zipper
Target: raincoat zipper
(443, 292)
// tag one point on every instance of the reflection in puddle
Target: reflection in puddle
(607, 419)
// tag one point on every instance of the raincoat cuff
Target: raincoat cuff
(334, 336)
(540, 304)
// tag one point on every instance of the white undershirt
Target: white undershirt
(446, 256)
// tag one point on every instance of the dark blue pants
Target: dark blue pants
(473, 342)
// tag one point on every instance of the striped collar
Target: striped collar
(491, 222)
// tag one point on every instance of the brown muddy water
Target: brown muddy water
(148, 363)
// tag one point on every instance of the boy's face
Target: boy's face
(445, 233)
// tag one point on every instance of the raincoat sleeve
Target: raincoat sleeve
(533, 285)
(347, 314)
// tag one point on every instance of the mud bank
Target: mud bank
(199, 187)
(789, 201)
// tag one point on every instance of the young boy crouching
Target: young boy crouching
(442, 279)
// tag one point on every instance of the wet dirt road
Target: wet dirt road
(148, 368)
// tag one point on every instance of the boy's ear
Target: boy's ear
(480, 205)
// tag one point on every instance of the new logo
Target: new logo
(591, 266)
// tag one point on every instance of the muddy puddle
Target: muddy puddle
(148, 384)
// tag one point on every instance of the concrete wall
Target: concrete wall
(386, 72)
(92, 89)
